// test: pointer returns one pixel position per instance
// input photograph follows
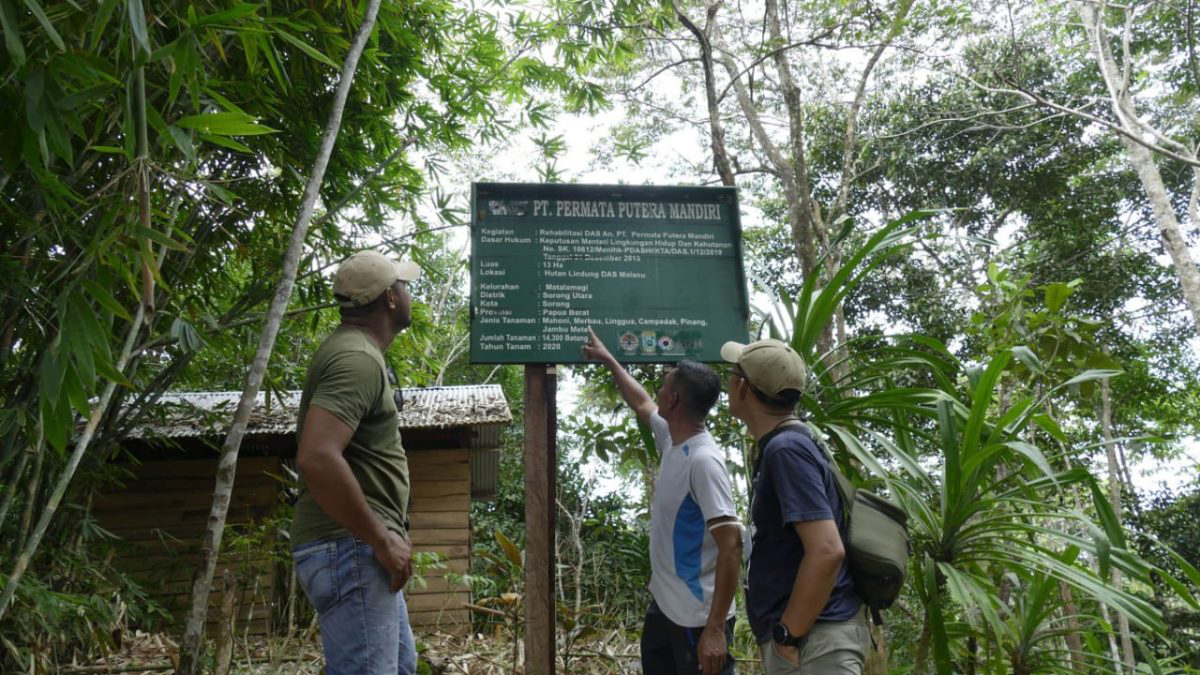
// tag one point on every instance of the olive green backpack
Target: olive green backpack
(877, 546)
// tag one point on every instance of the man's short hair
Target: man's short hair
(785, 400)
(352, 311)
(698, 387)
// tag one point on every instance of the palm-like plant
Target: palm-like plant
(985, 503)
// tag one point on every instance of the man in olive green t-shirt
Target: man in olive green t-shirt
(349, 544)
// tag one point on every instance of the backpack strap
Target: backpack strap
(845, 489)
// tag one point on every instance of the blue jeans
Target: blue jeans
(364, 626)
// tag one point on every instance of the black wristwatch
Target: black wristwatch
(783, 636)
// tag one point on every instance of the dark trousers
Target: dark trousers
(669, 649)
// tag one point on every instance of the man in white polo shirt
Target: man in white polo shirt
(695, 538)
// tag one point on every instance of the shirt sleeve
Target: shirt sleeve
(662, 432)
(798, 479)
(711, 487)
(349, 387)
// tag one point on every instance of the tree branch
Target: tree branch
(1116, 128)
(720, 154)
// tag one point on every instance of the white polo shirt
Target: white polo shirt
(692, 488)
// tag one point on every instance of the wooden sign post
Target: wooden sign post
(541, 466)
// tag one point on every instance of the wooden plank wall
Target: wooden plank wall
(162, 511)
(161, 514)
(439, 518)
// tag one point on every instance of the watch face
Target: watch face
(780, 633)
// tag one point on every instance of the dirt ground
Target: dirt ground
(441, 653)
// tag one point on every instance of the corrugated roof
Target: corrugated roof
(204, 413)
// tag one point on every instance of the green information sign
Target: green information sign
(655, 271)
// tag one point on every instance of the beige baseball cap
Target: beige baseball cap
(771, 366)
(365, 275)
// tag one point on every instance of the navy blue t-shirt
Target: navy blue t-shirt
(792, 484)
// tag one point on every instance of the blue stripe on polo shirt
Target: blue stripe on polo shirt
(688, 537)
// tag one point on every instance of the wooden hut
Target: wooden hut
(451, 435)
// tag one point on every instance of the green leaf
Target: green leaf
(51, 371)
(101, 16)
(1047, 424)
(1034, 455)
(76, 395)
(56, 422)
(1091, 375)
(183, 142)
(12, 36)
(227, 143)
(224, 124)
(35, 8)
(107, 149)
(1056, 295)
(109, 372)
(137, 22)
(238, 11)
(510, 549)
(80, 349)
(307, 48)
(1026, 356)
(160, 239)
(78, 98)
(188, 339)
(1108, 517)
(96, 336)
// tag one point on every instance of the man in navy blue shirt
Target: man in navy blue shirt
(800, 598)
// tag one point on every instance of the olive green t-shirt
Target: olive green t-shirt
(348, 378)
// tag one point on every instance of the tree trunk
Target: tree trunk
(1141, 157)
(190, 649)
(1074, 642)
(226, 623)
(1114, 497)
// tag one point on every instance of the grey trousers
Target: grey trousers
(838, 647)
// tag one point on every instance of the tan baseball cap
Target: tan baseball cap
(365, 275)
(771, 366)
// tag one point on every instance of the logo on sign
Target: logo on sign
(649, 339)
(628, 342)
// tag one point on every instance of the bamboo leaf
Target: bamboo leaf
(183, 142)
(224, 124)
(137, 22)
(50, 375)
(306, 48)
(101, 17)
(160, 238)
(35, 8)
(76, 395)
(227, 143)
(12, 36)
(236, 12)
(54, 427)
(109, 372)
